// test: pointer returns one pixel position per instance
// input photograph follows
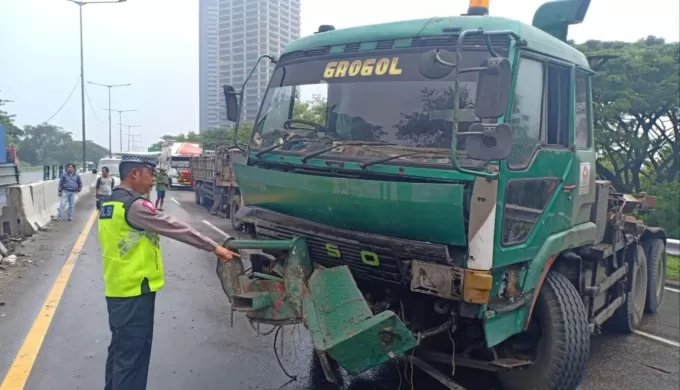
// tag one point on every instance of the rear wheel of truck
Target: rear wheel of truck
(655, 250)
(197, 197)
(557, 341)
(627, 318)
(235, 204)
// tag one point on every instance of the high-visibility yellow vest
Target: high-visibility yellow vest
(132, 259)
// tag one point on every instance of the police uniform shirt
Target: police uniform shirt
(142, 214)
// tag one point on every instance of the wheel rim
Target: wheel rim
(661, 276)
(638, 289)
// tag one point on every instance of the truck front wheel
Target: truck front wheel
(557, 341)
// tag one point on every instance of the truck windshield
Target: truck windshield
(379, 98)
(177, 163)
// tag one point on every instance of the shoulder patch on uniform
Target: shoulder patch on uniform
(106, 212)
(149, 206)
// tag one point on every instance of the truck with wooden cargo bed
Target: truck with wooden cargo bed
(443, 206)
(215, 169)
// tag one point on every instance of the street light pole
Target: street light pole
(129, 133)
(120, 124)
(80, 5)
(82, 83)
(109, 86)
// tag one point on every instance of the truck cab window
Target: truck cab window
(527, 113)
(558, 106)
(582, 112)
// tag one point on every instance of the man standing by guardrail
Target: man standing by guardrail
(69, 185)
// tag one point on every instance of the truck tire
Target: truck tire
(655, 250)
(235, 204)
(561, 353)
(197, 193)
(627, 318)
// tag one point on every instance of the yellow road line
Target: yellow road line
(23, 363)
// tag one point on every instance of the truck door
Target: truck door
(540, 181)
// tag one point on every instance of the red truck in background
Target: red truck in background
(175, 157)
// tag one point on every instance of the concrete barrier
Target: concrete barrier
(37, 203)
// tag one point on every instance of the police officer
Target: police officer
(129, 229)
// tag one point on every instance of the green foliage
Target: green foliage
(46, 144)
(7, 120)
(673, 268)
(637, 111)
(213, 137)
(311, 111)
(49, 144)
(636, 102)
(667, 212)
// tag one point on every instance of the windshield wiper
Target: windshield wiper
(328, 149)
(388, 158)
(284, 143)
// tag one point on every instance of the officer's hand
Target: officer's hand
(224, 254)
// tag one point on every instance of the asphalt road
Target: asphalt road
(195, 347)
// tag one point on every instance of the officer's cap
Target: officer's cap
(148, 159)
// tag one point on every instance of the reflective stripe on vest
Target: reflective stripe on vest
(129, 256)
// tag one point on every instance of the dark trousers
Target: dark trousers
(131, 323)
(101, 199)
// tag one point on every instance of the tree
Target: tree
(314, 110)
(49, 144)
(6, 119)
(637, 111)
(213, 137)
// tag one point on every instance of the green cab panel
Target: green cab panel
(432, 212)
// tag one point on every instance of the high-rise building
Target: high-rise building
(246, 29)
(208, 64)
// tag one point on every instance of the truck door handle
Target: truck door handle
(569, 187)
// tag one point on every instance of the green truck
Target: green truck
(427, 190)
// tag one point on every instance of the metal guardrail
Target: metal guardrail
(673, 247)
(9, 175)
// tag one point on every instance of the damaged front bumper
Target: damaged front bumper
(326, 300)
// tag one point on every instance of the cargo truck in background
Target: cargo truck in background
(175, 157)
(218, 164)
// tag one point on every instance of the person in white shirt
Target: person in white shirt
(105, 185)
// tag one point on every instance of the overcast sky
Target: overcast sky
(153, 44)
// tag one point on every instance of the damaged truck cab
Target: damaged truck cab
(431, 184)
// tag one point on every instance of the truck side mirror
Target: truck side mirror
(489, 142)
(232, 103)
(493, 88)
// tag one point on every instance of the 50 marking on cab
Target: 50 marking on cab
(367, 257)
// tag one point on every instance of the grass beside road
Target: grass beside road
(673, 268)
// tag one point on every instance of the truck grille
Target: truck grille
(350, 251)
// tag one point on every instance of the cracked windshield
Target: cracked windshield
(368, 107)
